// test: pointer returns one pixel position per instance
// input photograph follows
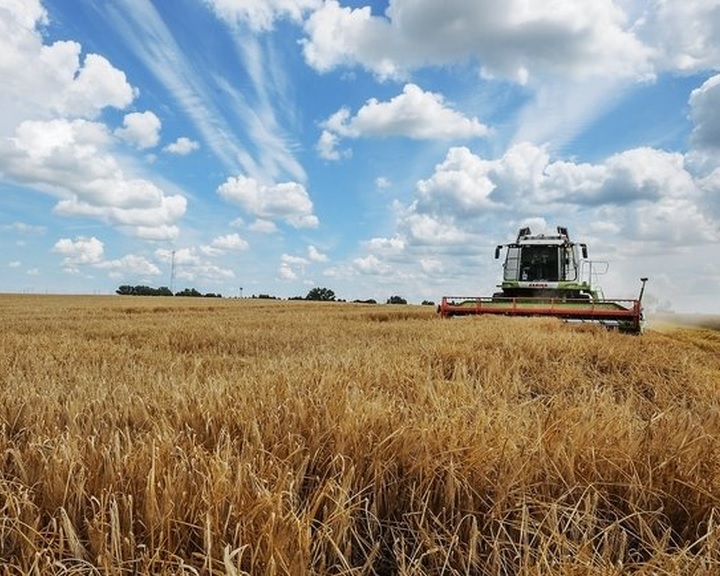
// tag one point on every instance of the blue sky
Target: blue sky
(372, 147)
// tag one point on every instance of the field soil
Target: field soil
(145, 435)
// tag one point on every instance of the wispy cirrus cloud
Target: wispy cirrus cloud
(260, 15)
(240, 128)
(149, 38)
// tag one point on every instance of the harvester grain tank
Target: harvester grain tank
(543, 276)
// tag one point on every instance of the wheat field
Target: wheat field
(215, 436)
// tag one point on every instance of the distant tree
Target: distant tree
(189, 292)
(396, 300)
(324, 294)
(369, 301)
(428, 303)
(142, 290)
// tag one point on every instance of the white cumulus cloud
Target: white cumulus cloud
(263, 226)
(192, 266)
(81, 250)
(71, 160)
(288, 201)
(412, 114)
(141, 129)
(646, 194)
(130, 266)
(512, 39)
(705, 111)
(286, 272)
(315, 255)
(61, 81)
(230, 242)
(683, 35)
(371, 264)
(182, 146)
(51, 137)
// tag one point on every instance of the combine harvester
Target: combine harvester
(543, 277)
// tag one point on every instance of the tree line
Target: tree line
(141, 290)
(318, 294)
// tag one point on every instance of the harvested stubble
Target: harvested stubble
(164, 435)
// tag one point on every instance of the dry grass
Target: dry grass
(248, 437)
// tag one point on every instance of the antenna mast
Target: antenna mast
(172, 273)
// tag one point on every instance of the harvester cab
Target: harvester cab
(542, 277)
(543, 266)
